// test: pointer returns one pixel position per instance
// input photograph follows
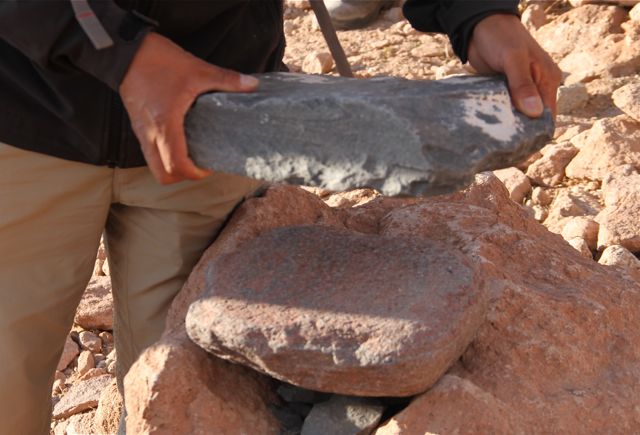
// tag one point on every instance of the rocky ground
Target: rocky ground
(584, 185)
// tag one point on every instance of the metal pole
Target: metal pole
(329, 33)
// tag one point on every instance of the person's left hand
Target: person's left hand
(501, 44)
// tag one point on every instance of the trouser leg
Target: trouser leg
(155, 235)
(51, 216)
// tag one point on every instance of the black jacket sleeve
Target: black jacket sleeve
(456, 18)
(48, 33)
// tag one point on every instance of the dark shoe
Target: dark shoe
(355, 14)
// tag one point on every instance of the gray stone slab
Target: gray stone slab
(343, 415)
(398, 136)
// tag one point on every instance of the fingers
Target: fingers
(172, 149)
(214, 78)
(524, 90)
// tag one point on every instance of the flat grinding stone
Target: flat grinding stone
(402, 137)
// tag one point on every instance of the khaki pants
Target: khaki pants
(52, 214)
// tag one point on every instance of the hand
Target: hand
(160, 86)
(501, 44)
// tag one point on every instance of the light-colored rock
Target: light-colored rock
(318, 63)
(534, 16)
(575, 201)
(85, 362)
(634, 13)
(583, 227)
(619, 223)
(93, 373)
(69, 353)
(610, 143)
(516, 182)
(343, 415)
(540, 196)
(80, 397)
(627, 98)
(176, 388)
(352, 198)
(107, 417)
(273, 320)
(549, 169)
(81, 424)
(572, 97)
(616, 255)
(90, 341)
(96, 307)
(581, 245)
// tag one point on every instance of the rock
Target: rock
(291, 393)
(549, 169)
(81, 424)
(107, 418)
(478, 412)
(266, 309)
(572, 97)
(581, 245)
(558, 322)
(90, 341)
(583, 227)
(627, 98)
(534, 16)
(342, 415)
(634, 13)
(516, 183)
(540, 196)
(616, 255)
(94, 373)
(351, 198)
(571, 202)
(214, 397)
(69, 353)
(619, 224)
(610, 143)
(96, 307)
(80, 397)
(317, 63)
(397, 136)
(85, 362)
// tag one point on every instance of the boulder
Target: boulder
(327, 309)
(96, 306)
(395, 135)
(610, 143)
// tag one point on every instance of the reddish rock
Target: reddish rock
(583, 227)
(177, 388)
(627, 98)
(90, 341)
(70, 351)
(96, 307)
(516, 183)
(619, 223)
(80, 397)
(610, 143)
(327, 309)
(107, 417)
(549, 169)
(558, 351)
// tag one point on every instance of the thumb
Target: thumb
(226, 80)
(522, 87)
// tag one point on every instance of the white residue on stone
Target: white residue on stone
(493, 114)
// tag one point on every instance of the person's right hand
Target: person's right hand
(160, 86)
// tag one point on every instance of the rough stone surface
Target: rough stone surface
(81, 424)
(619, 222)
(96, 307)
(534, 16)
(69, 352)
(342, 415)
(627, 98)
(318, 63)
(559, 341)
(616, 255)
(569, 203)
(397, 136)
(214, 397)
(81, 396)
(90, 341)
(107, 418)
(571, 98)
(326, 309)
(549, 169)
(611, 142)
(85, 362)
(584, 227)
(581, 245)
(516, 183)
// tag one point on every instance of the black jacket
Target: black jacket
(58, 94)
